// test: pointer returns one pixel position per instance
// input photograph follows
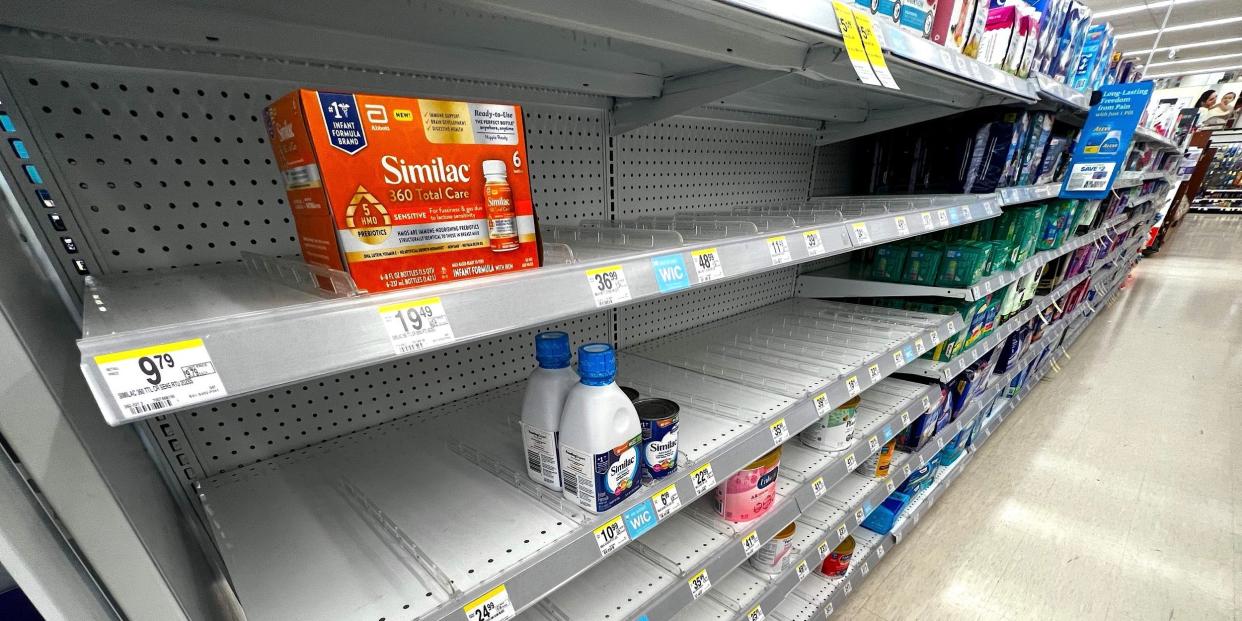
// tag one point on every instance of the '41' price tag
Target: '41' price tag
(818, 487)
(699, 584)
(778, 248)
(493, 606)
(611, 535)
(608, 285)
(666, 502)
(803, 570)
(703, 478)
(415, 326)
(707, 264)
(150, 380)
(814, 242)
(851, 462)
(750, 543)
(780, 432)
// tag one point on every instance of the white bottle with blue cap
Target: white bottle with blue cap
(541, 407)
(600, 434)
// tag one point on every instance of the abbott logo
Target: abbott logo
(376, 114)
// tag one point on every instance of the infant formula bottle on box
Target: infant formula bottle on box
(600, 435)
(749, 494)
(541, 407)
(833, 431)
(659, 421)
(770, 559)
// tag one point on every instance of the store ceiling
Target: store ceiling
(1213, 45)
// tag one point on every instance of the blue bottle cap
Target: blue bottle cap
(552, 350)
(597, 364)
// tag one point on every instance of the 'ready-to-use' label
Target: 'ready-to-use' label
(599, 481)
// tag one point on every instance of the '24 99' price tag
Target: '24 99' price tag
(493, 606)
(415, 326)
(151, 380)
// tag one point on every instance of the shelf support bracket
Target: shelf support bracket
(686, 93)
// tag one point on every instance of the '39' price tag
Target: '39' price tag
(814, 242)
(492, 606)
(151, 380)
(415, 326)
(608, 285)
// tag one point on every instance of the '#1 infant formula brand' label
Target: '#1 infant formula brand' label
(598, 482)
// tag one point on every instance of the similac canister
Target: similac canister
(838, 561)
(771, 558)
(750, 492)
(600, 435)
(833, 431)
(659, 421)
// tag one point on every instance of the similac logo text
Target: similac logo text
(397, 171)
(621, 472)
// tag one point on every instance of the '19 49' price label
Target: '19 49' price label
(778, 248)
(152, 380)
(703, 478)
(493, 606)
(707, 264)
(415, 326)
(699, 584)
(611, 535)
(608, 285)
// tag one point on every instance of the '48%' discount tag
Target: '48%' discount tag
(151, 380)
(415, 326)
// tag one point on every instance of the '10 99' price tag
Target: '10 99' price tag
(415, 326)
(493, 606)
(151, 380)
(611, 535)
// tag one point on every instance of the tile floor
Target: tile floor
(1114, 490)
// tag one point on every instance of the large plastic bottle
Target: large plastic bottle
(541, 408)
(600, 434)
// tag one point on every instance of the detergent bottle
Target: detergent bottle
(600, 434)
(541, 407)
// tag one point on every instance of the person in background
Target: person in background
(1218, 116)
(1204, 106)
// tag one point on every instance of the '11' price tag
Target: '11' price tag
(151, 380)
(415, 326)
(493, 606)
(814, 243)
(666, 502)
(611, 535)
(699, 584)
(608, 285)
(703, 478)
(707, 264)
(778, 248)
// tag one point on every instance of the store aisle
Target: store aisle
(1111, 493)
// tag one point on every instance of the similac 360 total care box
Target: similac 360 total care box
(405, 192)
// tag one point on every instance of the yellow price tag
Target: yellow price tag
(854, 44)
(871, 45)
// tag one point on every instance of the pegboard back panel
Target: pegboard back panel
(690, 163)
(243, 431)
(835, 165)
(639, 323)
(165, 169)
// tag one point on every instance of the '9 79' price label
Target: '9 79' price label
(415, 326)
(151, 380)
(608, 285)
(493, 606)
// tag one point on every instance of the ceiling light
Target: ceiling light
(1179, 27)
(1193, 72)
(1195, 44)
(1195, 60)
(1126, 10)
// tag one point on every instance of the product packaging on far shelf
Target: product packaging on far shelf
(405, 192)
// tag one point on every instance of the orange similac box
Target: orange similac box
(405, 192)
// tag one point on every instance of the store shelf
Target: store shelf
(1142, 134)
(1052, 90)
(1028, 193)
(427, 543)
(256, 330)
(835, 282)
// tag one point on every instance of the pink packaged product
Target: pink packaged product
(999, 35)
(750, 492)
(952, 25)
(1017, 48)
(1030, 46)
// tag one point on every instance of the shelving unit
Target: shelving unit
(340, 474)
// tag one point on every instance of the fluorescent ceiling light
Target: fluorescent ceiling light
(1193, 45)
(1193, 72)
(1180, 27)
(1126, 10)
(1195, 60)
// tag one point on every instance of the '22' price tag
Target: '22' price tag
(778, 248)
(611, 535)
(150, 380)
(703, 478)
(608, 285)
(707, 264)
(415, 326)
(493, 606)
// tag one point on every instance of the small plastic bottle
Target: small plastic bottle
(541, 407)
(498, 202)
(600, 434)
